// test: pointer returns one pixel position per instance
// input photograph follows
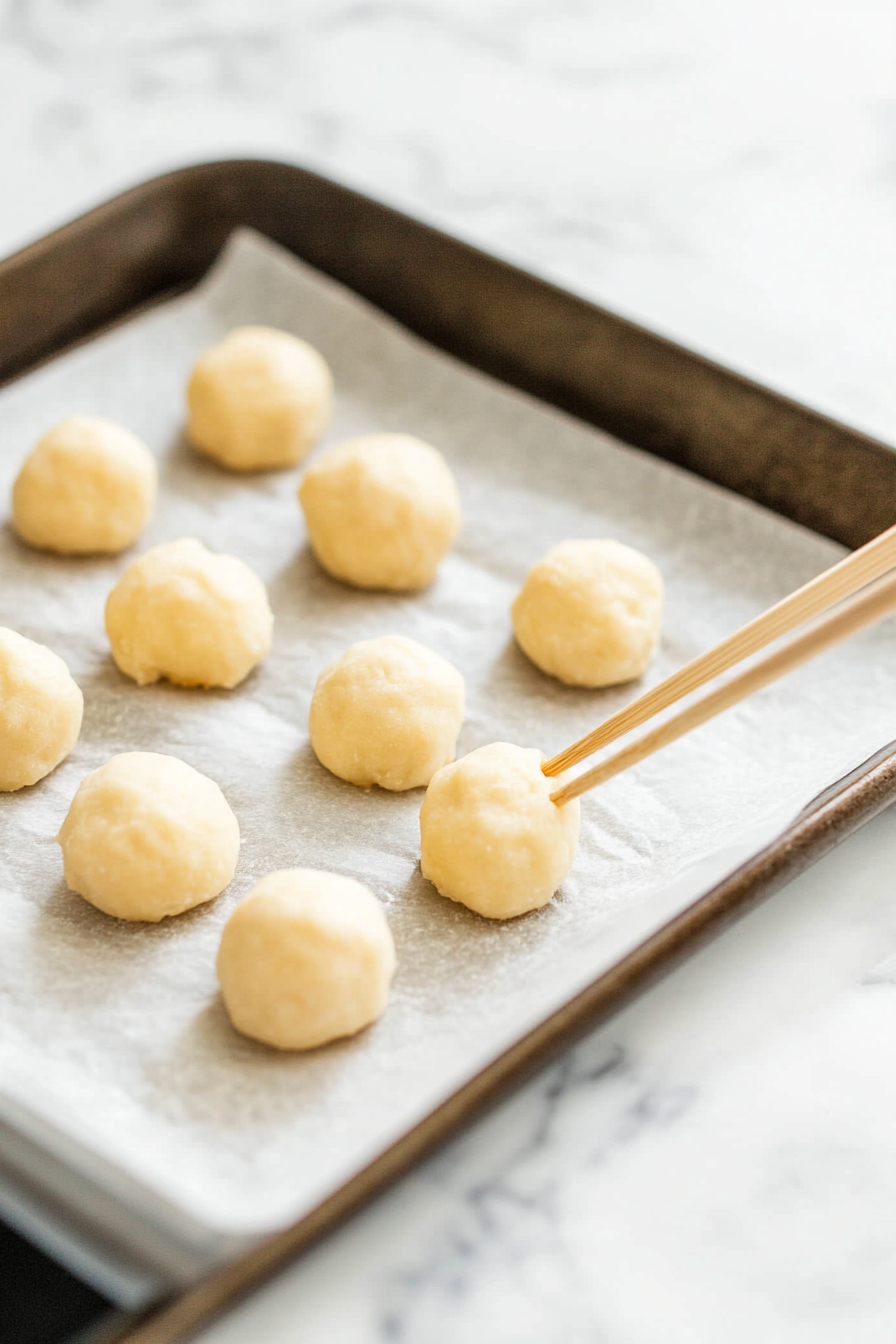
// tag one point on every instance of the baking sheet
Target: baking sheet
(114, 1035)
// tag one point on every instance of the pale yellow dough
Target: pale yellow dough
(147, 836)
(258, 399)
(381, 511)
(589, 612)
(490, 836)
(305, 958)
(41, 708)
(387, 712)
(183, 613)
(88, 486)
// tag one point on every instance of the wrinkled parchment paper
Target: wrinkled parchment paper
(114, 1034)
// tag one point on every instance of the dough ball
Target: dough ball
(148, 836)
(305, 958)
(381, 511)
(589, 612)
(387, 712)
(41, 709)
(87, 486)
(258, 399)
(491, 838)
(184, 613)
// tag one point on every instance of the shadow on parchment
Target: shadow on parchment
(214, 1075)
(72, 933)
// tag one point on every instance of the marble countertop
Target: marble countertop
(718, 1163)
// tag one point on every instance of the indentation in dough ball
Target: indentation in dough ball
(41, 708)
(258, 399)
(186, 614)
(147, 836)
(307, 957)
(88, 486)
(589, 612)
(381, 511)
(490, 836)
(387, 712)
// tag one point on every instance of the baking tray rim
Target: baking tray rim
(829, 819)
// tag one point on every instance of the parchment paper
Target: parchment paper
(114, 1034)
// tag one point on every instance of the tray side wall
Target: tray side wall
(813, 835)
(646, 390)
(581, 358)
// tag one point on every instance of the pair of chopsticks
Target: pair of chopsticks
(865, 569)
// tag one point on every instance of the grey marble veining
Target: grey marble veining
(724, 171)
(719, 1162)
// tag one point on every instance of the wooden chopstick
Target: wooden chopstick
(859, 611)
(836, 583)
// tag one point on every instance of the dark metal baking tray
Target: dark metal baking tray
(162, 236)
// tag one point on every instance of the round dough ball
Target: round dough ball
(490, 836)
(258, 399)
(87, 486)
(41, 708)
(387, 712)
(307, 957)
(589, 612)
(147, 836)
(184, 613)
(381, 511)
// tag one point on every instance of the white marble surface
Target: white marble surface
(719, 1162)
